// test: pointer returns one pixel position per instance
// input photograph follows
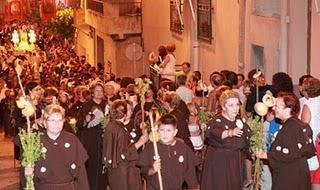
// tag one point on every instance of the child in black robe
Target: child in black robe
(120, 151)
(177, 162)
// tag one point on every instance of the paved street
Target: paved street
(8, 174)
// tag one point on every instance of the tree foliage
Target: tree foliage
(64, 22)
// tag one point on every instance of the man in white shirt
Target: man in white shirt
(186, 94)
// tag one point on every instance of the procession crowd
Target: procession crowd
(97, 128)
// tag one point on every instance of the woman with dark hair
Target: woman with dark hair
(282, 82)
(7, 107)
(216, 79)
(34, 93)
(291, 147)
(50, 96)
(256, 78)
(175, 106)
(33, 88)
(162, 52)
(304, 96)
(90, 134)
(168, 64)
(81, 95)
(119, 152)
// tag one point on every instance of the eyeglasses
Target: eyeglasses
(280, 106)
(55, 121)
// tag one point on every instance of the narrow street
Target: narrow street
(9, 174)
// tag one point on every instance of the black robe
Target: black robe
(288, 156)
(119, 157)
(91, 139)
(7, 107)
(182, 126)
(75, 109)
(178, 165)
(223, 164)
(135, 132)
(63, 167)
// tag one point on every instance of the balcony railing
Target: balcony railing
(130, 9)
(96, 6)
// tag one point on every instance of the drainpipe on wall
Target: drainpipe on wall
(195, 52)
(242, 33)
(283, 66)
(194, 39)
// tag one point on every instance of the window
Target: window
(130, 8)
(267, 8)
(96, 6)
(257, 57)
(176, 15)
(204, 20)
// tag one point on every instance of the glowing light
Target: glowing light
(24, 41)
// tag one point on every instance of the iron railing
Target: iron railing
(96, 6)
(130, 9)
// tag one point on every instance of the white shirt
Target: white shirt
(168, 71)
(186, 94)
(314, 107)
(302, 101)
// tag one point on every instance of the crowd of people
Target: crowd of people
(110, 147)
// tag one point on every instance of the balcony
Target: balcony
(96, 6)
(123, 19)
(130, 9)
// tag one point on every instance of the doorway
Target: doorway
(100, 51)
(257, 58)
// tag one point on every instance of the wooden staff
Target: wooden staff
(155, 147)
(142, 111)
(257, 167)
(257, 86)
(24, 95)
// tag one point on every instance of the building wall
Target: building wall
(315, 43)
(156, 29)
(221, 54)
(85, 45)
(265, 32)
(298, 37)
(125, 65)
(112, 29)
(121, 27)
(86, 39)
(116, 24)
(110, 54)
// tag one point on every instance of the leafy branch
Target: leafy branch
(143, 86)
(32, 152)
(257, 142)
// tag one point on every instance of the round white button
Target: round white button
(73, 166)
(43, 169)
